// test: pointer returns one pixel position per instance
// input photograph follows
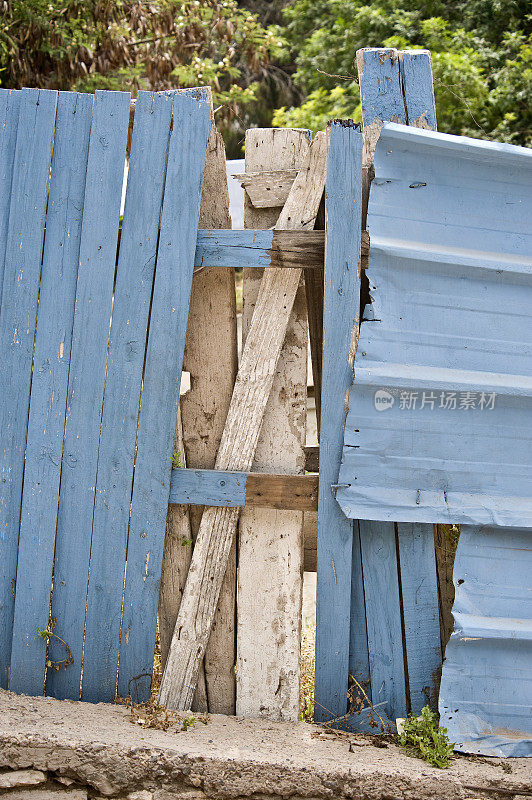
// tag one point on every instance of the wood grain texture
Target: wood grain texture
(230, 489)
(268, 189)
(237, 449)
(383, 616)
(9, 111)
(269, 602)
(44, 446)
(259, 249)
(418, 88)
(341, 319)
(88, 360)
(211, 359)
(419, 590)
(25, 231)
(127, 347)
(162, 374)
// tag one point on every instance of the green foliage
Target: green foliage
(424, 738)
(481, 52)
(132, 44)
(177, 461)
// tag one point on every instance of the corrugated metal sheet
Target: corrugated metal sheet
(438, 428)
(486, 686)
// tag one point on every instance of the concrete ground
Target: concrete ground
(107, 755)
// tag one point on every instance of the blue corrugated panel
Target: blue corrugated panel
(438, 428)
(486, 686)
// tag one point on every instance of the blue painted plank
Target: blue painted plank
(381, 93)
(9, 110)
(383, 616)
(358, 638)
(127, 346)
(105, 170)
(17, 329)
(48, 391)
(158, 412)
(341, 310)
(418, 88)
(208, 487)
(419, 589)
(217, 248)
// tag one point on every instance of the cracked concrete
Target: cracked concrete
(105, 755)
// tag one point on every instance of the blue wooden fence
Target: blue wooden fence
(85, 464)
(91, 386)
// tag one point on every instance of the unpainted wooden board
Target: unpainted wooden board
(237, 448)
(88, 359)
(269, 603)
(211, 358)
(341, 319)
(162, 375)
(127, 347)
(268, 189)
(9, 110)
(25, 231)
(44, 446)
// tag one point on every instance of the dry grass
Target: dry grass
(308, 664)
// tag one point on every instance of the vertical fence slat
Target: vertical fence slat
(358, 639)
(164, 359)
(48, 390)
(94, 290)
(341, 316)
(417, 556)
(420, 612)
(418, 88)
(9, 111)
(17, 330)
(127, 346)
(383, 615)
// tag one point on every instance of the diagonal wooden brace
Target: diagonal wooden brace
(239, 441)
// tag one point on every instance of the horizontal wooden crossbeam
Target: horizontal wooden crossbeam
(226, 488)
(255, 248)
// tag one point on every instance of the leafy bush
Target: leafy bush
(423, 737)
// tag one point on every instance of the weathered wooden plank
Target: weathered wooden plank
(48, 390)
(341, 319)
(381, 100)
(383, 616)
(127, 345)
(269, 603)
(260, 248)
(226, 489)
(208, 487)
(312, 459)
(419, 589)
(211, 359)
(164, 359)
(314, 292)
(9, 110)
(268, 189)
(94, 291)
(17, 329)
(418, 88)
(237, 448)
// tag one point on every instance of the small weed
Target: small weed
(49, 635)
(188, 722)
(423, 737)
(186, 542)
(177, 461)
